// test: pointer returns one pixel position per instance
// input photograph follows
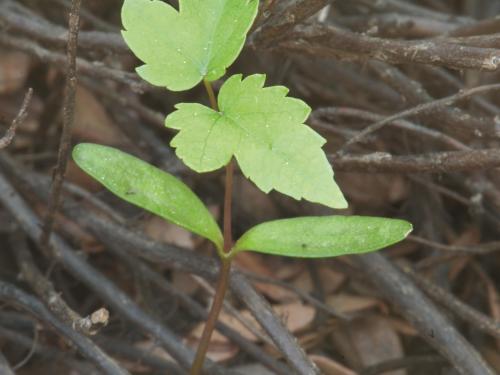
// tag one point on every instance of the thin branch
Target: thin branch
(40, 29)
(81, 270)
(144, 356)
(436, 162)
(435, 328)
(480, 249)
(330, 41)
(68, 122)
(89, 325)
(30, 344)
(5, 368)
(477, 319)
(281, 23)
(18, 120)
(304, 295)
(194, 308)
(403, 363)
(58, 60)
(402, 124)
(9, 293)
(422, 108)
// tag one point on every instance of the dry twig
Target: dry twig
(18, 120)
(68, 121)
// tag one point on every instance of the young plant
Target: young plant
(260, 127)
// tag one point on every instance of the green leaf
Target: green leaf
(264, 130)
(180, 49)
(146, 186)
(325, 236)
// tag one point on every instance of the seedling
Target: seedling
(260, 127)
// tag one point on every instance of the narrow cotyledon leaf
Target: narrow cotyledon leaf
(323, 236)
(148, 187)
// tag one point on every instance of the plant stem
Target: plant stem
(225, 268)
(212, 317)
(211, 95)
(228, 195)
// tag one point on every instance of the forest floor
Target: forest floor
(407, 95)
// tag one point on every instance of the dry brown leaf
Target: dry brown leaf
(216, 337)
(330, 280)
(347, 303)
(93, 124)
(252, 369)
(220, 349)
(288, 270)
(232, 322)
(150, 347)
(78, 177)
(163, 231)
(382, 189)
(457, 266)
(468, 237)
(492, 356)
(296, 315)
(252, 202)
(184, 282)
(374, 340)
(252, 262)
(403, 327)
(153, 348)
(330, 367)
(14, 69)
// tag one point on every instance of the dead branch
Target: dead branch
(5, 368)
(428, 133)
(122, 239)
(194, 308)
(436, 162)
(89, 325)
(9, 293)
(42, 30)
(330, 41)
(417, 308)
(68, 111)
(85, 67)
(95, 280)
(419, 109)
(477, 319)
(401, 363)
(18, 120)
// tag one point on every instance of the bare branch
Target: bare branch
(422, 108)
(68, 122)
(18, 120)
(329, 41)
(437, 162)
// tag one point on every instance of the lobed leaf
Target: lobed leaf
(180, 48)
(148, 187)
(264, 130)
(325, 236)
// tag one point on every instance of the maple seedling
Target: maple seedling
(260, 127)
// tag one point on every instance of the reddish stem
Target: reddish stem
(225, 269)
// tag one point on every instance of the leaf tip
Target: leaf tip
(409, 228)
(79, 151)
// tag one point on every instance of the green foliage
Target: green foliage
(327, 236)
(260, 126)
(180, 49)
(139, 183)
(264, 130)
